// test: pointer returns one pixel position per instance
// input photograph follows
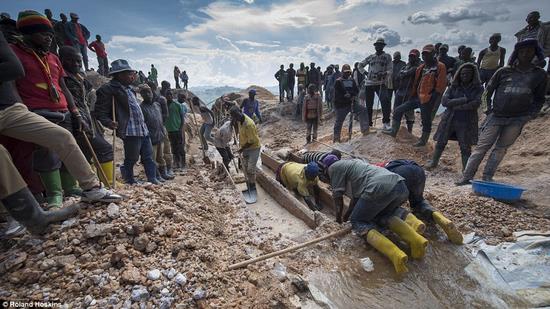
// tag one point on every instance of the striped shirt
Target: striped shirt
(136, 121)
(314, 156)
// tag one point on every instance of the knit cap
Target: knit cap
(29, 22)
(312, 170)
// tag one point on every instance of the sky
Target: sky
(243, 42)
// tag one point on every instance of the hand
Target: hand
(113, 125)
(81, 124)
(347, 96)
(240, 150)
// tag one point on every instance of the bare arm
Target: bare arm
(502, 57)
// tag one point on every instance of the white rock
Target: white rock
(171, 273)
(153, 274)
(139, 293)
(367, 264)
(181, 279)
(88, 299)
(113, 211)
(165, 292)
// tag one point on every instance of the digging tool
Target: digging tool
(376, 115)
(249, 195)
(98, 167)
(339, 233)
(344, 152)
(114, 147)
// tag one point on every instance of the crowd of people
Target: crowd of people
(44, 92)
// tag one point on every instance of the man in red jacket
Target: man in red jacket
(98, 48)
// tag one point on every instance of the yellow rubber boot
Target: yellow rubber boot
(389, 249)
(108, 169)
(417, 243)
(448, 227)
(415, 223)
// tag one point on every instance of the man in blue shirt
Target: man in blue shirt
(251, 107)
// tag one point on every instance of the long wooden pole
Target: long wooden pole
(291, 249)
(114, 147)
(332, 147)
(100, 170)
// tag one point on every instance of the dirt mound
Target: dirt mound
(96, 79)
(165, 245)
(262, 94)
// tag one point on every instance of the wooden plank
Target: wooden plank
(324, 195)
(285, 198)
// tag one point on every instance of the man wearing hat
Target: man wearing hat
(302, 179)
(538, 30)
(129, 123)
(43, 91)
(380, 70)
(519, 90)
(429, 84)
(78, 35)
(251, 107)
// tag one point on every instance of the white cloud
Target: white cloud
(249, 1)
(453, 15)
(351, 4)
(228, 42)
(374, 31)
(257, 44)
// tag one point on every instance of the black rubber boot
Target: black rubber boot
(170, 172)
(465, 158)
(308, 139)
(395, 125)
(410, 126)
(22, 206)
(423, 140)
(164, 173)
(435, 159)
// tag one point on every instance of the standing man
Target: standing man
(380, 69)
(249, 142)
(80, 89)
(536, 30)
(312, 113)
(60, 30)
(327, 87)
(175, 125)
(313, 75)
(282, 77)
(129, 123)
(491, 58)
(429, 84)
(177, 74)
(53, 46)
(345, 91)
(185, 79)
(291, 73)
(154, 74)
(98, 48)
(301, 75)
(78, 35)
(222, 137)
(518, 90)
(251, 107)
(152, 113)
(398, 64)
(447, 60)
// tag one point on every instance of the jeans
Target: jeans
(342, 112)
(502, 132)
(178, 148)
(311, 127)
(460, 130)
(415, 179)
(177, 79)
(83, 49)
(250, 158)
(367, 211)
(206, 135)
(134, 147)
(282, 90)
(425, 112)
(290, 92)
(382, 92)
(103, 66)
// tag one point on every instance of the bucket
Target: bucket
(498, 191)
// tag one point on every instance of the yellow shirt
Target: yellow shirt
(248, 134)
(293, 176)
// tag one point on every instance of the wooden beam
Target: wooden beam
(285, 198)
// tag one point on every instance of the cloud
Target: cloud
(375, 31)
(351, 4)
(121, 41)
(228, 42)
(453, 15)
(257, 44)
(459, 37)
(249, 1)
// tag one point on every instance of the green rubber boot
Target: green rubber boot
(434, 161)
(54, 191)
(69, 184)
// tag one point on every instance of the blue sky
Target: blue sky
(243, 42)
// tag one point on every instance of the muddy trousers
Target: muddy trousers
(250, 158)
(165, 152)
(425, 112)
(226, 155)
(134, 148)
(206, 135)
(178, 148)
(312, 126)
(367, 211)
(342, 112)
(409, 115)
(501, 132)
(18, 122)
(415, 180)
(459, 129)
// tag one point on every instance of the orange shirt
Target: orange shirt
(427, 80)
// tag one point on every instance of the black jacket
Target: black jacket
(104, 108)
(341, 87)
(152, 113)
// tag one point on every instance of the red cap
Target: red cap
(428, 48)
(415, 52)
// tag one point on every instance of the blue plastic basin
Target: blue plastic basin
(498, 191)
